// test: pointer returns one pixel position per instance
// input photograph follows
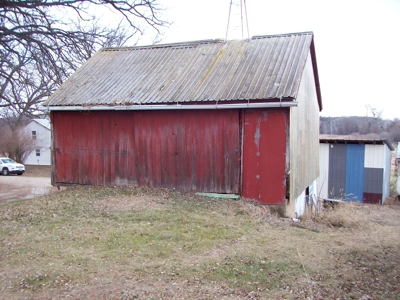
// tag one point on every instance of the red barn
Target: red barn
(210, 116)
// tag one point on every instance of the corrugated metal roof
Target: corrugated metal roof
(263, 68)
(351, 139)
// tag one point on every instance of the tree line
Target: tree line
(370, 127)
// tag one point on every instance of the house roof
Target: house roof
(352, 139)
(265, 68)
(44, 122)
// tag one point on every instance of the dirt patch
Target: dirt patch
(392, 200)
(33, 183)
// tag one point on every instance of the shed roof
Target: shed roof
(265, 68)
(352, 139)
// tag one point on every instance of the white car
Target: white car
(8, 166)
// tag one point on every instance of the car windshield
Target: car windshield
(7, 161)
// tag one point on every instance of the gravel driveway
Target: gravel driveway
(15, 187)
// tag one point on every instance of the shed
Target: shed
(213, 116)
(39, 130)
(354, 168)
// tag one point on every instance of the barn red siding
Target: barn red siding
(264, 155)
(190, 150)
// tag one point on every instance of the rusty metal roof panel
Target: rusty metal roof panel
(265, 67)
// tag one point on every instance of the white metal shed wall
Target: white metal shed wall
(322, 181)
(398, 167)
(377, 172)
(374, 156)
(387, 170)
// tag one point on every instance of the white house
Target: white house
(40, 130)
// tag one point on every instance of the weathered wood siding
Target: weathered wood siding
(190, 150)
(304, 138)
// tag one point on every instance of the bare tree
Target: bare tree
(43, 41)
(375, 124)
(17, 144)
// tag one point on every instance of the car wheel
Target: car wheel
(5, 172)
(19, 173)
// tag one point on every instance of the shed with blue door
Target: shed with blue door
(354, 168)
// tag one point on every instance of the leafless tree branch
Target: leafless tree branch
(43, 41)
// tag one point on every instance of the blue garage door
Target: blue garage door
(355, 172)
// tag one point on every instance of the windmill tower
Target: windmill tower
(238, 24)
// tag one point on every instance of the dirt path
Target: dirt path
(23, 187)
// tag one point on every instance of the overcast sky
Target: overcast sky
(357, 43)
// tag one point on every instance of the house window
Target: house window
(37, 152)
(33, 135)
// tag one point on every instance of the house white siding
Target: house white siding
(40, 130)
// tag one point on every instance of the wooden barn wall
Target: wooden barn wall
(189, 150)
(304, 138)
(264, 155)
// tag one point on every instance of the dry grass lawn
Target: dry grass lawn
(135, 243)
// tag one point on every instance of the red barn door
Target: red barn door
(264, 155)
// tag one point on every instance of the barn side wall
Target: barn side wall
(304, 139)
(189, 150)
